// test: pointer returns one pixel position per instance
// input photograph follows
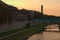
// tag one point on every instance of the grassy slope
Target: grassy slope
(32, 30)
(9, 32)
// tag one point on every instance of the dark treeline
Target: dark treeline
(9, 13)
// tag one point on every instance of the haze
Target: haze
(51, 7)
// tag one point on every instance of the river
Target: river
(46, 35)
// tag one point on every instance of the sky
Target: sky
(51, 7)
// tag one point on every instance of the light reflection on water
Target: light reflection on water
(46, 35)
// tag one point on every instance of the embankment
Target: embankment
(24, 34)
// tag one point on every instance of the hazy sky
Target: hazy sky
(51, 7)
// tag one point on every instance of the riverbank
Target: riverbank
(23, 34)
(17, 27)
(26, 33)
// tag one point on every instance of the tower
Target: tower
(42, 9)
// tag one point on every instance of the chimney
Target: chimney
(42, 9)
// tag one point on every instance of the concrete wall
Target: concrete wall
(16, 25)
(12, 26)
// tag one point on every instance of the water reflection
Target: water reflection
(46, 35)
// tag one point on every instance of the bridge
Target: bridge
(53, 23)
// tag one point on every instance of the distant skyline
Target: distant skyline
(51, 7)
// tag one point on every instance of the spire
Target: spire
(42, 9)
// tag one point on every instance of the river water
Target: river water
(49, 35)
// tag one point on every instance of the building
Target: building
(42, 9)
(21, 17)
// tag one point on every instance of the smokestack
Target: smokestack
(42, 9)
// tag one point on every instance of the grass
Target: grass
(13, 31)
(23, 34)
(10, 32)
